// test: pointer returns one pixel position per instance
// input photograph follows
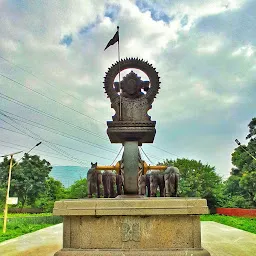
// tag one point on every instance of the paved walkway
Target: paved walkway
(222, 240)
(44, 242)
(218, 239)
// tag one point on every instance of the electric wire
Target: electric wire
(49, 98)
(53, 156)
(117, 155)
(55, 131)
(164, 150)
(146, 155)
(67, 123)
(4, 128)
(24, 146)
(51, 85)
(7, 98)
(48, 144)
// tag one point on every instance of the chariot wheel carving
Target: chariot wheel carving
(136, 63)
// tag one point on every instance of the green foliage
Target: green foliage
(78, 189)
(20, 226)
(2, 197)
(28, 178)
(21, 215)
(198, 180)
(31, 183)
(54, 190)
(240, 189)
(247, 224)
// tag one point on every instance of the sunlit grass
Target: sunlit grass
(20, 224)
(247, 224)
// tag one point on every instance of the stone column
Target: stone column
(131, 157)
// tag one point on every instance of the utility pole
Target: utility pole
(9, 183)
(8, 190)
(239, 144)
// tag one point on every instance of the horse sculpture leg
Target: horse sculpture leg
(167, 185)
(119, 184)
(89, 189)
(177, 177)
(142, 185)
(99, 182)
(112, 178)
(153, 184)
(148, 184)
(106, 181)
(161, 184)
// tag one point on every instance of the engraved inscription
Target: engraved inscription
(130, 231)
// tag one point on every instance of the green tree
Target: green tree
(4, 171)
(54, 190)
(252, 129)
(78, 189)
(29, 178)
(198, 180)
(240, 190)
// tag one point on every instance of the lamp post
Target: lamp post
(9, 183)
(239, 144)
(8, 189)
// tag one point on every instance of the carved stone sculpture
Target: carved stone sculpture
(109, 184)
(142, 185)
(119, 184)
(156, 180)
(148, 184)
(135, 103)
(171, 178)
(131, 99)
(94, 180)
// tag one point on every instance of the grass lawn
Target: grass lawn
(20, 224)
(247, 224)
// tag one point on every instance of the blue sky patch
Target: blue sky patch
(66, 40)
(87, 29)
(112, 11)
(184, 21)
(155, 14)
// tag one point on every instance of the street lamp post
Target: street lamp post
(9, 183)
(8, 190)
(239, 144)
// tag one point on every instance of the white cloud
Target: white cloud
(246, 51)
(206, 77)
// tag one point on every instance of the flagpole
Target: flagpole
(120, 90)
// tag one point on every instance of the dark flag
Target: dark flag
(113, 40)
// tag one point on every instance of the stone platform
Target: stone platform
(122, 131)
(125, 226)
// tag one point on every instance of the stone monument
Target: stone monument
(131, 223)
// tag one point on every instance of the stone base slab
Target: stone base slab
(169, 252)
(131, 226)
(144, 206)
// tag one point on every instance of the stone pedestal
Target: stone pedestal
(125, 226)
(122, 131)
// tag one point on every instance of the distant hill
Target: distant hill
(67, 175)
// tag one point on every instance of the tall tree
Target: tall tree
(29, 178)
(252, 129)
(241, 186)
(198, 180)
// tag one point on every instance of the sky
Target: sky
(52, 59)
